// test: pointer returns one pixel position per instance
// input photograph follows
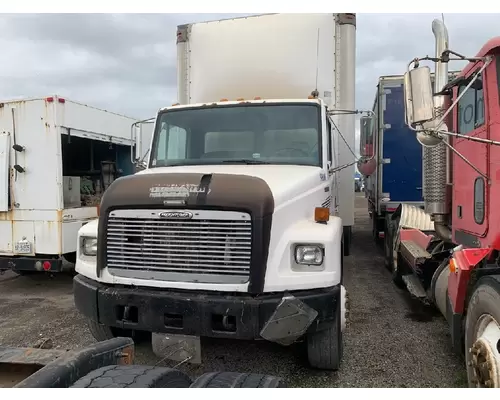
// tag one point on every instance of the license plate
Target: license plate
(23, 247)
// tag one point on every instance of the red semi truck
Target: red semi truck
(448, 255)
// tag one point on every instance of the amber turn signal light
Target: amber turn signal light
(321, 214)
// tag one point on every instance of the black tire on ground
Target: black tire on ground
(100, 332)
(133, 376)
(347, 238)
(376, 229)
(325, 348)
(388, 243)
(237, 380)
(397, 275)
(483, 303)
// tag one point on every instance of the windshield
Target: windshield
(249, 133)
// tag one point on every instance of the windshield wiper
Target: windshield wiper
(245, 161)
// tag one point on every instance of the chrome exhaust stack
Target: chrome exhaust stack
(436, 159)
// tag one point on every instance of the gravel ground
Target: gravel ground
(391, 341)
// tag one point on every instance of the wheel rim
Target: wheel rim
(484, 355)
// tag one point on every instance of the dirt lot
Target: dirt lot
(391, 341)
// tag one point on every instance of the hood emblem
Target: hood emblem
(175, 215)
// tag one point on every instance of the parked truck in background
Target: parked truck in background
(358, 182)
(391, 156)
(235, 229)
(57, 157)
(448, 255)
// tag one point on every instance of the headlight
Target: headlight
(308, 255)
(89, 246)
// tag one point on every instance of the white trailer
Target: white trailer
(56, 159)
(235, 229)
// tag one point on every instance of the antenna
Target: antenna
(315, 92)
(442, 17)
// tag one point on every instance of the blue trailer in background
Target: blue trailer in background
(397, 156)
(391, 156)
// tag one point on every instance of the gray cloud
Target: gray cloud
(126, 63)
(121, 62)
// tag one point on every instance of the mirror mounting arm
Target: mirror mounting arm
(483, 67)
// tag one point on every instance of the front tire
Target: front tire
(393, 260)
(347, 237)
(388, 244)
(482, 334)
(102, 332)
(325, 347)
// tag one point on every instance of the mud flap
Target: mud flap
(289, 322)
(181, 348)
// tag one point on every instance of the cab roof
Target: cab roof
(243, 101)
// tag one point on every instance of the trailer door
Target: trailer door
(402, 154)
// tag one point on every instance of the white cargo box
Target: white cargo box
(269, 56)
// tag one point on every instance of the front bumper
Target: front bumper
(195, 313)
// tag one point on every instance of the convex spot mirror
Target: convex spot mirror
(365, 130)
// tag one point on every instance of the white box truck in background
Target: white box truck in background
(56, 159)
(235, 228)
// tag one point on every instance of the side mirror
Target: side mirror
(365, 127)
(136, 137)
(418, 94)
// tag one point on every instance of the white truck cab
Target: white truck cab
(232, 231)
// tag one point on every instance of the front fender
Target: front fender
(281, 276)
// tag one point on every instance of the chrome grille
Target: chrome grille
(209, 247)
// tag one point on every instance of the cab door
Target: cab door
(470, 189)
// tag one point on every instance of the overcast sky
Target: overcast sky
(126, 62)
